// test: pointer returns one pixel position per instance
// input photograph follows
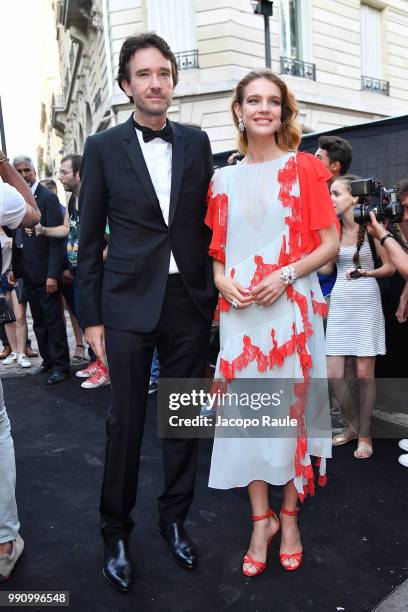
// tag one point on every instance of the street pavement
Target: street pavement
(16, 370)
(397, 601)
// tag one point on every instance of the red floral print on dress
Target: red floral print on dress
(319, 308)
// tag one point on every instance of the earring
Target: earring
(241, 125)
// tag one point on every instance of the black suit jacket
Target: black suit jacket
(127, 292)
(40, 257)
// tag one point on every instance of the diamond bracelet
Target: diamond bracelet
(288, 275)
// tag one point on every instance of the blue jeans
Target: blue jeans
(155, 369)
(9, 524)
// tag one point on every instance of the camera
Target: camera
(377, 199)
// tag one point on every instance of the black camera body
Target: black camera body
(377, 199)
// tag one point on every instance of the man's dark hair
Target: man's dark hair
(143, 41)
(49, 183)
(75, 160)
(337, 149)
(402, 188)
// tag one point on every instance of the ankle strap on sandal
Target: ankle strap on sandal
(290, 512)
(261, 517)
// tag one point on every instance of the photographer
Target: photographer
(17, 208)
(397, 254)
(399, 258)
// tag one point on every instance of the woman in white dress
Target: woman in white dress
(273, 226)
(355, 325)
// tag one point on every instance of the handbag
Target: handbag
(6, 311)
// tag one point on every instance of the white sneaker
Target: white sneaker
(403, 444)
(12, 358)
(23, 361)
(403, 459)
(7, 562)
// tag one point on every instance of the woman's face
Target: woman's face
(261, 108)
(341, 196)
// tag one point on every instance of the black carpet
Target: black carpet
(354, 530)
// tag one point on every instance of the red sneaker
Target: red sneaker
(90, 370)
(100, 378)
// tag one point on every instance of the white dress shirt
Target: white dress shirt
(34, 186)
(158, 155)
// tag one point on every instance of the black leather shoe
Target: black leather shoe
(117, 564)
(57, 377)
(179, 543)
(42, 369)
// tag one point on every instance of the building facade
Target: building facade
(345, 60)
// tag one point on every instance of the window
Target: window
(291, 29)
(371, 68)
(370, 42)
(296, 40)
(175, 22)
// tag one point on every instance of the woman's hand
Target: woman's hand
(11, 278)
(354, 273)
(269, 290)
(231, 290)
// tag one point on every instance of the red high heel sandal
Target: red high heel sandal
(260, 565)
(297, 556)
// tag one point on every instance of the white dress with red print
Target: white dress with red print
(255, 212)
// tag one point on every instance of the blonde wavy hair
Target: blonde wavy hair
(289, 135)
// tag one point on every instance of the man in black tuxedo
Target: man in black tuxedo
(149, 178)
(38, 260)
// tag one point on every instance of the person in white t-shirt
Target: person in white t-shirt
(17, 208)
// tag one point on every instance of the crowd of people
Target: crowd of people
(39, 269)
(150, 240)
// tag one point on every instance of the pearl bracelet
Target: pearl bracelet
(288, 275)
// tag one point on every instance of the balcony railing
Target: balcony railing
(187, 59)
(376, 85)
(296, 67)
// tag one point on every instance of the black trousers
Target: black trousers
(49, 326)
(182, 339)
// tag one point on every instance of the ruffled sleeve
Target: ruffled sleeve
(217, 217)
(317, 207)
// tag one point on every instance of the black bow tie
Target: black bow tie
(148, 134)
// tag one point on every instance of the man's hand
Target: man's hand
(51, 285)
(402, 311)
(11, 278)
(95, 336)
(67, 277)
(375, 229)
